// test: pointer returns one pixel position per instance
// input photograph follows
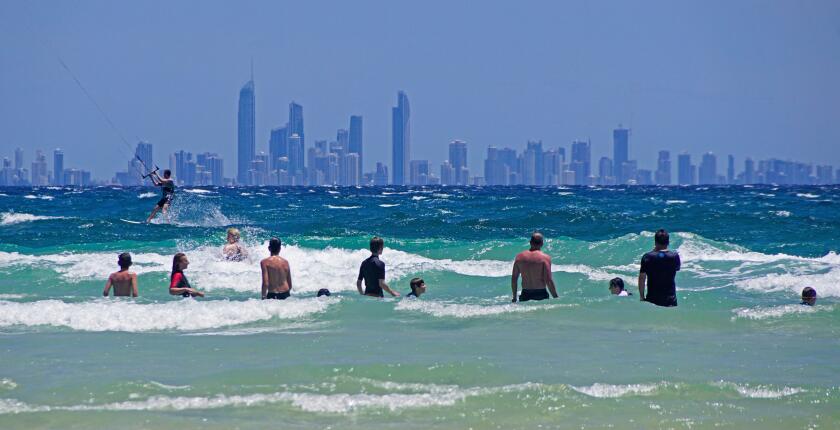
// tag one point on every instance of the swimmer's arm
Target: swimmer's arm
(642, 280)
(385, 287)
(514, 281)
(264, 279)
(550, 280)
(107, 287)
(134, 285)
(289, 277)
(359, 285)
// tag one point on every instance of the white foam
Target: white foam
(461, 310)
(760, 391)
(177, 315)
(612, 391)
(7, 384)
(41, 197)
(9, 218)
(387, 205)
(146, 195)
(827, 284)
(341, 207)
(675, 202)
(761, 312)
(807, 195)
(198, 191)
(419, 198)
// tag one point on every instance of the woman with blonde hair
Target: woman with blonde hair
(233, 250)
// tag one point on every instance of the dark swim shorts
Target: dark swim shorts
(278, 296)
(528, 294)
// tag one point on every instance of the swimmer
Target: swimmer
(323, 292)
(276, 276)
(178, 281)
(233, 250)
(617, 288)
(658, 270)
(167, 189)
(418, 287)
(124, 282)
(372, 271)
(535, 268)
(809, 296)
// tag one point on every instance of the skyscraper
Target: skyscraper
(749, 171)
(296, 159)
(58, 167)
(708, 169)
(684, 175)
(278, 147)
(419, 172)
(663, 168)
(533, 168)
(39, 173)
(730, 170)
(401, 138)
(18, 159)
(581, 161)
(246, 136)
(356, 141)
(621, 149)
(605, 171)
(458, 160)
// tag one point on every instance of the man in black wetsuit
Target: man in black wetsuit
(659, 268)
(372, 272)
(167, 189)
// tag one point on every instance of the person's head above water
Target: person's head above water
(376, 245)
(274, 246)
(167, 173)
(124, 260)
(661, 239)
(616, 285)
(323, 292)
(537, 240)
(233, 235)
(179, 262)
(418, 286)
(809, 296)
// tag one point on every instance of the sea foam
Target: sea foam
(9, 218)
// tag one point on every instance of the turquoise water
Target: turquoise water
(739, 351)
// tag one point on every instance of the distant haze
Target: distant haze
(750, 78)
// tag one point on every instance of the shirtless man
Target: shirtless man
(535, 268)
(276, 276)
(124, 282)
(233, 250)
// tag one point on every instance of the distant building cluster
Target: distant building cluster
(15, 175)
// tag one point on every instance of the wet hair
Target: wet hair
(274, 245)
(661, 237)
(537, 239)
(233, 231)
(617, 282)
(376, 244)
(167, 173)
(809, 293)
(323, 292)
(176, 261)
(124, 260)
(416, 282)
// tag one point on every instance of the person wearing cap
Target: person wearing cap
(276, 275)
(809, 296)
(617, 288)
(123, 281)
(418, 287)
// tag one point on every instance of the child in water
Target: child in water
(233, 250)
(418, 287)
(617, 288)
(809, 296)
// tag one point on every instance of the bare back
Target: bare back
(123, 283)
(276, 274)
(535, 267)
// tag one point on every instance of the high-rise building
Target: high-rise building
(278, 147)
(621, 150)
(58, 167)
(447, 173)
(458, 160)
(296, 159)
(749, 171)
(581, 161)
(216, 166)
(295, 124)
(356, 141)
(533, 169)
(552, 163)
(380, 176)
(496, 172)
(730, 170)
(246, 137)
(708, 169)
(684, 168)
(40, 175)
(401, 138)
(352, 176)
(18, 159)
(663, 168)
(605, 171)
(419, 172)
(825, 175)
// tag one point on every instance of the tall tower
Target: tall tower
(58, 167)
(621, 144)
(246, 137)
(458, 160)
(663, 168)
(295, 125)
(401, 138)
(356, 139)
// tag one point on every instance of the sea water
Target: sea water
(738, 352)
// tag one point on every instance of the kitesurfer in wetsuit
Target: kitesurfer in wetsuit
(178, 284)
(167, 189)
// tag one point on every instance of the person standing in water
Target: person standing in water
(658, 270)
(124, 282)
(167, 189)
(535, 268)
(372, 271)
(233, 250)
(178, 284)
(276, 275)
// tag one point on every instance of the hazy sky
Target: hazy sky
(757, 78)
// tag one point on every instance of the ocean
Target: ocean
(738, 352)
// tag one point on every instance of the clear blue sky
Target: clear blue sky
(757, 78)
